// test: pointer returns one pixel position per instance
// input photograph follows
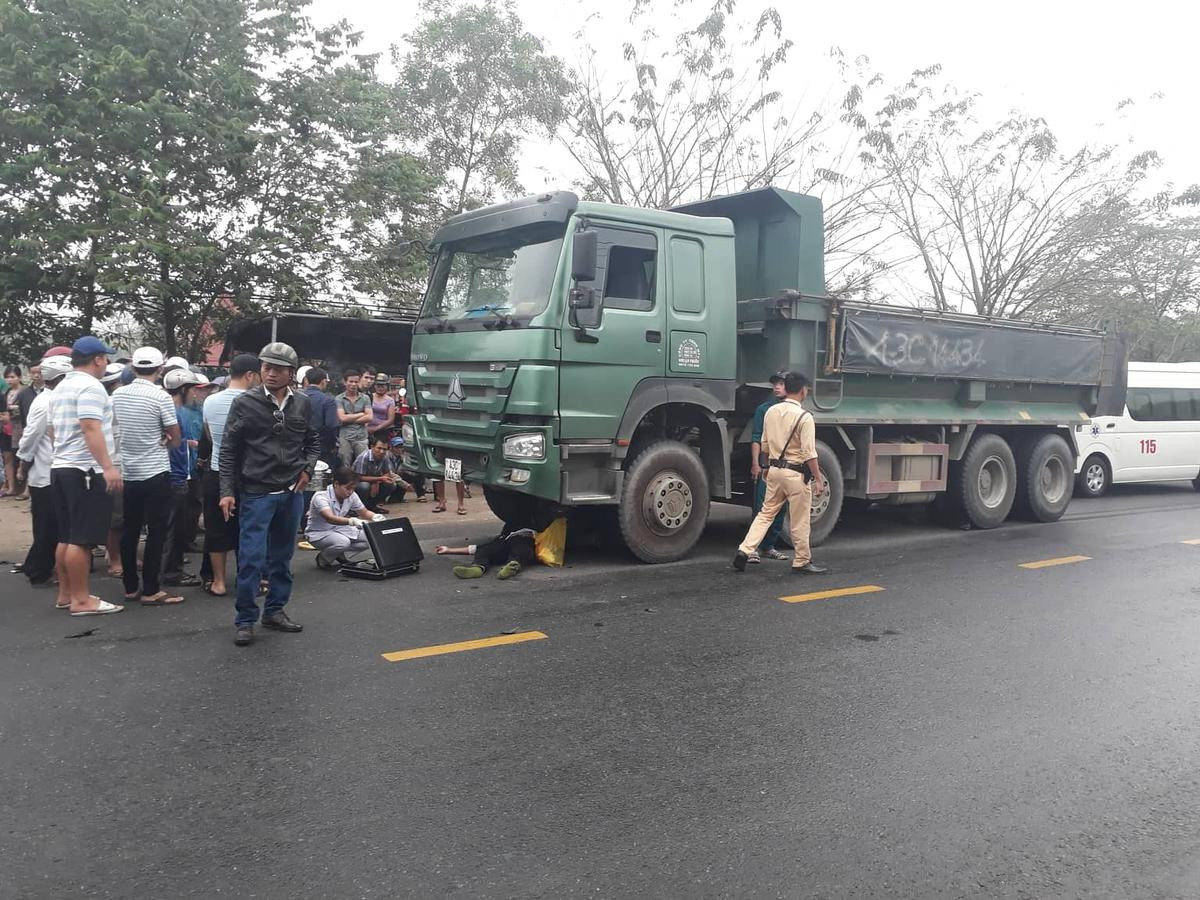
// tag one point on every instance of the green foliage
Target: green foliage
(473, 84)
(177, 163)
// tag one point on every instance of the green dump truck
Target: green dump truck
(585, 355)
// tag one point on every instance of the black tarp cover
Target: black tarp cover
(876, 342)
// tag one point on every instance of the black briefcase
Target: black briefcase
(394, 551)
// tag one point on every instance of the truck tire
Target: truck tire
(984, 484)
(826, 507)
(664, 502)
(511, 508)
(1094, 477)
(1044, 478)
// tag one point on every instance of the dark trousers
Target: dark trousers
(495, 553)
(386, 493)
(266, 544)
(39, 561)
(146, 503)
(183, 526)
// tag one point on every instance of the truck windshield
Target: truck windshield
(502, 276)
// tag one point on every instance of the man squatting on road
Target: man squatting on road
(789, 444)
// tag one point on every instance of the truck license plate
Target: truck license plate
(453, 469)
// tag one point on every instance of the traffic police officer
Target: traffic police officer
(789, 444)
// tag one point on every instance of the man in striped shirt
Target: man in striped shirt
(82, 473)
(148, 427)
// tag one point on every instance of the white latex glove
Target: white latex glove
(357, 523)
(378, 517)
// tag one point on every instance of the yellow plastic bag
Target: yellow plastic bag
(551, 544)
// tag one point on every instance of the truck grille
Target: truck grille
(463, 399)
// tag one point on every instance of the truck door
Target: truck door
(598, 378)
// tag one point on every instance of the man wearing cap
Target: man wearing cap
(82, 475)
(789, 443)
(268, 453)
(36, 452)
(768, 547)
(220, 533)
(184, 387)
(149, 426)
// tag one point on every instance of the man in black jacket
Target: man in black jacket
(268, 453)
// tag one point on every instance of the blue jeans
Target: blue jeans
(776, 529)
(266, 542)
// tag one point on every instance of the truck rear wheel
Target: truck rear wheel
(984, 485)
(664, 502)
(1045, 478)
(826, 505)
(511, 508)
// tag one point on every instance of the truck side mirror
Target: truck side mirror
(583, 256)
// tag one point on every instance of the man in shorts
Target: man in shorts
(82, 473)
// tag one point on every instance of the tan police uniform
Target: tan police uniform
(786, 485)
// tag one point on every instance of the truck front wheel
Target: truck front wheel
(664, 502)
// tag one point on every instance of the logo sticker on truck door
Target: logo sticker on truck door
(687, 354)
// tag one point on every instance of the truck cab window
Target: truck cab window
(629, 283)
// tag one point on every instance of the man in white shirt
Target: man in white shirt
(148, 427)
(82, 473)
(221, 534)
(36, 452)
(335, 520)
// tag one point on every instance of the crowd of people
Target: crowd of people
(122, 458)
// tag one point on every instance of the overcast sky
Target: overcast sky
(1069, 62)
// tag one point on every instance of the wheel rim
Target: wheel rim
(993, 482)
(667, 503)
(820, 501)
(1052, 480)
(1094, 477)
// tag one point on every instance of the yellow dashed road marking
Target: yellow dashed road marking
(1057, 561)
(836, 592)
(438, 649)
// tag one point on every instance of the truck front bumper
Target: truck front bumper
(483, 460)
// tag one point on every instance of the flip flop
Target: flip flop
(104, 609)
(132, 597)
(438, 509)
(162, 598)
(62, 605)
(116, 573)
(462, 512)
(208, 589)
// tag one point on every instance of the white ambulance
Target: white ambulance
(1158, 437)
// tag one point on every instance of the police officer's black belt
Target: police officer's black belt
(784, 464)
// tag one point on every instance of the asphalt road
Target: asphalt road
(974, 728)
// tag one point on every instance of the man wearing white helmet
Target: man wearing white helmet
(268, 454)
(36, 451)
(149, 426)
(185, 387)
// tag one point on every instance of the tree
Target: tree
(183, 162)
(1001, 219)
(473, 85)
(698, 117)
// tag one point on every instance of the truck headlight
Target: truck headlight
(525, 446)
(409, 434)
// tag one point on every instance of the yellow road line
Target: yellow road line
(1057, 561)
(438, 649)
(1195, 542)
(836, 592)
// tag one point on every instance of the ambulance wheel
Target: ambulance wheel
(1094, 477)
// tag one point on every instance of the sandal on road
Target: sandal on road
(462, 511)
(104, 609)
(162, 598)
(208, 589)
(439, 508)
